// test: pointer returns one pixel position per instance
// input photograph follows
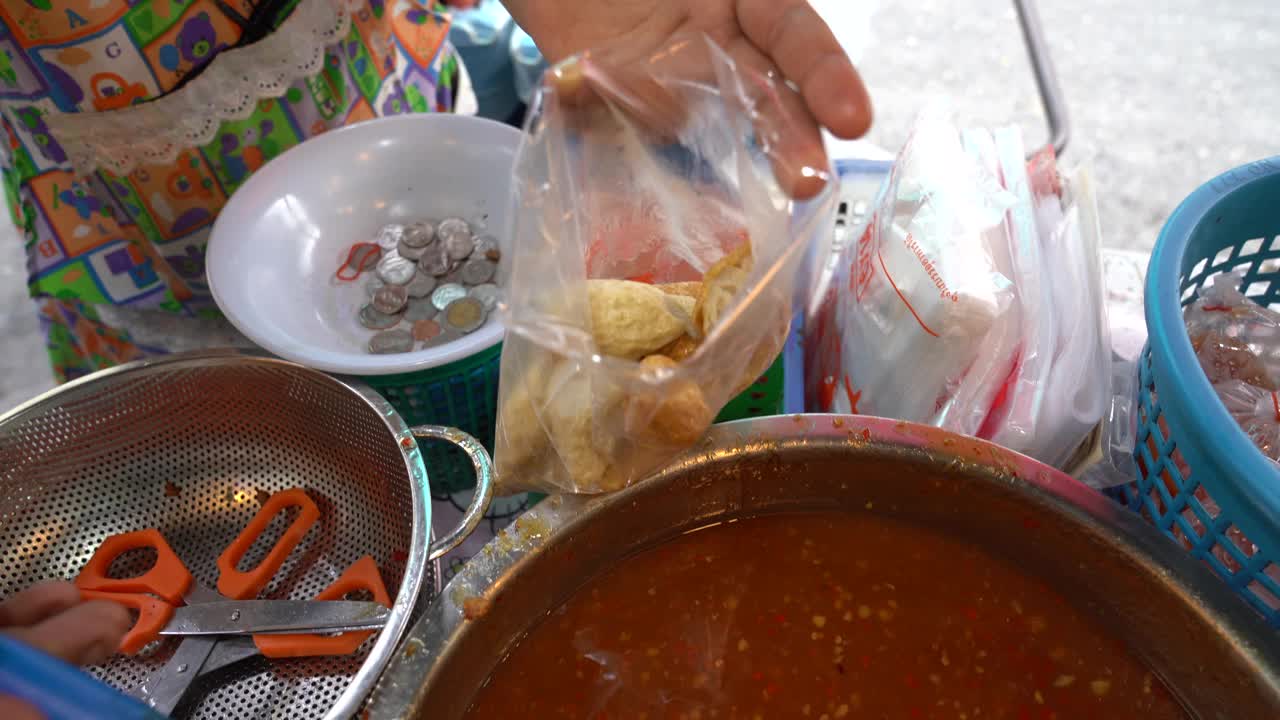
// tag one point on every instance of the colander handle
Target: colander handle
(484, 485)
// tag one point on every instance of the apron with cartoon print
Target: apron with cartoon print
(128, 124)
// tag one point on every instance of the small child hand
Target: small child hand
(52, 618)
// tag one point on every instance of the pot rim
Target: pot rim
(404, 682)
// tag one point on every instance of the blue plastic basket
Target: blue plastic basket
(1201, 480)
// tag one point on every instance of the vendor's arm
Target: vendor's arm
(783, 35)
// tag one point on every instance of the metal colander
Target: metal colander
(190, 445)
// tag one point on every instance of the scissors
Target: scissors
(215, 623)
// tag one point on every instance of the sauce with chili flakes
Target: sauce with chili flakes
(819, 616)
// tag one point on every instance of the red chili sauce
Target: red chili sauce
(820, 616)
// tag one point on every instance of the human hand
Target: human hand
(52, 618)
(777, 38)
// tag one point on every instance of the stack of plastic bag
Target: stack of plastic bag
(1238, 344)
(973, 299)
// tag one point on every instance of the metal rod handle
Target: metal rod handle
(484, 485)
(1055, 107)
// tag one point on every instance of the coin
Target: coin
(425, 330)
(390, 342)
(458, 246)
(477, 271)
(410, 252)
(421, 285)
(446, 336)
(395, 270)
(464, 314)
(373, 319)
(434, 261)
(446, 294)
(390, 299)
(419, 234)
(420, 309)
(485, 244)
(488, 294)
(374, 284)
(388, 236)
(451, 227)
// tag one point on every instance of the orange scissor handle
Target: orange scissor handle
(153, 615)
(239, 585)
(362, 575)
(168, 578)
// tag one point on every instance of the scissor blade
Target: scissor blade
(243, 617)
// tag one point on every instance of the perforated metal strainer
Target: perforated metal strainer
(189, 445)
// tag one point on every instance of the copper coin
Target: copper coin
(390, 342)
(390, 299)
(425, 330)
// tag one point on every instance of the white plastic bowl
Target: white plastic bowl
(279, 241)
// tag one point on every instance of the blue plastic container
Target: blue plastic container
(1200, 478)
(481, 36)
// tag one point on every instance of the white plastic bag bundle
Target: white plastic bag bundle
(973, 299)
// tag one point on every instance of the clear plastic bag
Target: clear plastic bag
(924, 306)
(653, 265)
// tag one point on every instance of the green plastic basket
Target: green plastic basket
(464, 394)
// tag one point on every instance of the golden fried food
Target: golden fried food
(692, 289)
(679, 349)
(630, 319)
(720, 285)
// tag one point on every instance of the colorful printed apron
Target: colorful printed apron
(138, 240)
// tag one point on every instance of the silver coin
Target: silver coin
(374, 284)
(466, 314)
(452, 227)
(486, 244)
(446, 294)
(419, 234)
(421, 285)
(488, 293)
(370, 317)
(477, 271)
(410, 252)
(388, 236)
(390, 299)
(434, 261)
(395, 270)
(458, 246)
(454, 276)
(420, 309)
(391, 342)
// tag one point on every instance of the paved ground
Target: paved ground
(1164, 94)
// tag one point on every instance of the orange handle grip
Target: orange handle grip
(362, 575)
(168, 578)
(239, 585)
(153, 615)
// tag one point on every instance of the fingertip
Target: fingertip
(838, 98)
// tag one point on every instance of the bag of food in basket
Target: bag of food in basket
(654, 260)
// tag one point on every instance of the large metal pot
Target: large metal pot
(1216, 655)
